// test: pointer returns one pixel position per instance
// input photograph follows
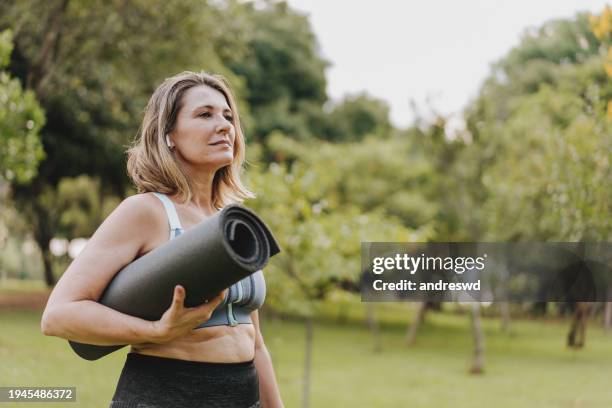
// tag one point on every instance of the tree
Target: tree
(73, 209)
(21, 119)
(540, 134)
(390, 176)
(532, 162)
(93, 66)
(303, 198)
(283, 71)
(357, 116)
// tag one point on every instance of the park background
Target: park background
(531, 162)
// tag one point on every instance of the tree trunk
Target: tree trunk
(418, 321)
(608, 317)
(3, 240)
(44, 63)
(43, 219)
(47, 262)
(504, 309)
(479, 346)
(3, 271)
(577, 334)
(43, 227)
(374, 327)
(307, 363)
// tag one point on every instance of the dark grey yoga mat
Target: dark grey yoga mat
(205, 259)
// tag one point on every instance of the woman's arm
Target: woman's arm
(72, 311)
(268, 388)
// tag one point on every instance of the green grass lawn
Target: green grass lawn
(529, 368)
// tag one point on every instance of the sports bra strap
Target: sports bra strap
(173, 219)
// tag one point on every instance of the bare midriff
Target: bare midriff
(217, 344)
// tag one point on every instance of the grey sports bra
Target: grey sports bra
(242, 298)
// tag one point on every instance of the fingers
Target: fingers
(178, 317)
(219, 298)
(179, 297)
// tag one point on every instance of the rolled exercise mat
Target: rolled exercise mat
(205, 260)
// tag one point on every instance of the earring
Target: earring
(168, 143)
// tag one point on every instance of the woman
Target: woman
(185, 162)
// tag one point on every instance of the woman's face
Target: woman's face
(204, 134)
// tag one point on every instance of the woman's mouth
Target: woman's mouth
(224, 143)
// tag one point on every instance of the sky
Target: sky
(435, 52)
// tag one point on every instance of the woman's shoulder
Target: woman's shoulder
(143, 209)
(142, 202)
(139, 217)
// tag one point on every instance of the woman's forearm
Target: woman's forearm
(268, 387)
(90, 322)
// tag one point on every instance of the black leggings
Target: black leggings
(157, 382)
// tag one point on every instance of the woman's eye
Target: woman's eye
(205, 114)
(229, 118)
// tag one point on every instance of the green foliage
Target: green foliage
(285, 80)
(357, 116)
(560, 54)
(541, 140)
(93, 66)
(284, 73)
(560, 42)
(82, 206)
(454, 201)
(386, 175)
(6, 47)
(553, 184)
(73, 209)
(533, 162)
(321, 208)
(21, 119)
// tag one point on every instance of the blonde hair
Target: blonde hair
(152, 166)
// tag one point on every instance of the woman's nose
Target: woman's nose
(224, 126)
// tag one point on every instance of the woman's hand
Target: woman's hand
(179, 320)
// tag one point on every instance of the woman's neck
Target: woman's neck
(201, 184)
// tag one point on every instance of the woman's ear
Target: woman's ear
(169, 142)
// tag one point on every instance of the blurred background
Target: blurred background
(506, 142)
